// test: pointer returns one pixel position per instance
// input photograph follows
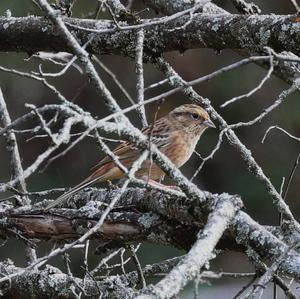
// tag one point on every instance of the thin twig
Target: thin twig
(139, 69)
(15, 165)
(138, 267)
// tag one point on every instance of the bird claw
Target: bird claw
(172, 187)
(112, 186)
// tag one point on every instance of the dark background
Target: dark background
(225, 173)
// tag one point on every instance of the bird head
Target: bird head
(191, 118)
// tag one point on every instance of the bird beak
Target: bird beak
(208, 123)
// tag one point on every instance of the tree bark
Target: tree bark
(225, 31)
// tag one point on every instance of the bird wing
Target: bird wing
(158, 134)
(123, 151)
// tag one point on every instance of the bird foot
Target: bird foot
(172, 187)
(112, 186)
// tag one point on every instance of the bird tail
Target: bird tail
(99, 175)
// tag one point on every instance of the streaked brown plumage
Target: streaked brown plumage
(175, 135)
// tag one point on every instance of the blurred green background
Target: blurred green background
(225, 173)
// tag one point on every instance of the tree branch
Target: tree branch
(56, 284)
(119, 227)
(33, 34)
(202, 251)
(190, 215)
(15, 163)
(286, 70)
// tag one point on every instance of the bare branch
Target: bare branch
(139, 69)
(232, 137)
(15, 163)
(194, 260)
(109, 39)
(285, 70)
(280, 129)
(280, 99)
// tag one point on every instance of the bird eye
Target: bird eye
(194, 116)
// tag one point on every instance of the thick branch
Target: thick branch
(32, 34)
(244, 228)
(189, 267)
(57, 284)
(177, 210)
(51, 283)
(286, 70)
(119, 227)
(192, 211)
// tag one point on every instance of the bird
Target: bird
(175, 134)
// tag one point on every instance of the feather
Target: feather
(61, 199)
(176, 135)
(99, 175)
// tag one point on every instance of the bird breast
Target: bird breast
(181, 149)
